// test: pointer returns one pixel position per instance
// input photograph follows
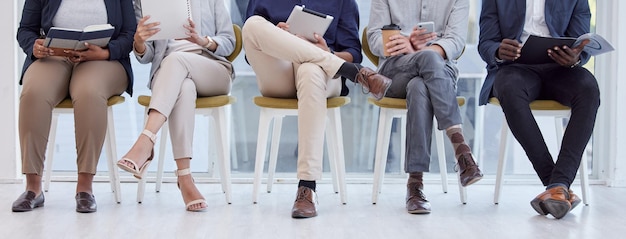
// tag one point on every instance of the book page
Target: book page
(597, 44)
(99, 27)
(172, 14)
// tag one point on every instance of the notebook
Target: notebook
(172, 14)
(306, 22)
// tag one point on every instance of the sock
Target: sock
(349, 70)
(416, 177)
(308, 184)
(458, 141)
(552, 185)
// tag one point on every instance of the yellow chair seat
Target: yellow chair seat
(397, 103)
(279, 103)
(67, 103)
(201, 102)
(537, 104)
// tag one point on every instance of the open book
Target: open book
(172, 14)
(535, 49)
(61, 39)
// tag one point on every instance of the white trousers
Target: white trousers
(181, 78)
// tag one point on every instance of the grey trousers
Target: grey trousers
(428, 83)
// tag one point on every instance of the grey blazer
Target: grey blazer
(212, 19)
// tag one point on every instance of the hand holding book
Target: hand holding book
(535, 48)
(63, 41)
(566, 56)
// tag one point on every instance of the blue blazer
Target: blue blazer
(37, 19)
(500, 19)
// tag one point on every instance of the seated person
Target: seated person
(288, 66)
(424, 73)
(503, 30)
(181, 71)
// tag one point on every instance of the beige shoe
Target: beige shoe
(187, 171)
(136, 170)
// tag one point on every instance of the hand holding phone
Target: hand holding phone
(429, 26)
(422, 33)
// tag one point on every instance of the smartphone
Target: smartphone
(429, 26)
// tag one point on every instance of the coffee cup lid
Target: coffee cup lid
(391, 27)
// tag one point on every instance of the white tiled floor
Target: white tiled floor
(162, 214)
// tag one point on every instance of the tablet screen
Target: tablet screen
(305, 22)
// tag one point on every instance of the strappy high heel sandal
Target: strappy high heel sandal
(183, 172)
(135, 169)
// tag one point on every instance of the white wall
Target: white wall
(9, 148)
(610, 124)
(610, 131)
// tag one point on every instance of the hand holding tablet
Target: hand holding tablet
(306, 23)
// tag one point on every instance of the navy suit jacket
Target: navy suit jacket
(37, 19)
(504, 19)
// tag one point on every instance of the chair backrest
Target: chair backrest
(366, 48)
(238, 43)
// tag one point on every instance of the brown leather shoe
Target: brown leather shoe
(537, 203)
(573, 199)
(27, 202)
(555, 201)
(304, 206)
(470, 173)
(373, 82)
(416, 202)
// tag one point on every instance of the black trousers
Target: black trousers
(516, 85)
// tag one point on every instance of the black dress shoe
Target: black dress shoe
(28, 201)
(85, 202)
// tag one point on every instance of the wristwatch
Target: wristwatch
(210, 43)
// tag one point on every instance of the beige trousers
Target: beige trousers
(289, 67)
(181, 78)
(46, 83)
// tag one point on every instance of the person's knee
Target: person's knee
(416, 88)
(173, 58)
(505, 83)
(251, 24)
(310, 75)
(587, 90)
(188, 90)
(429, 57)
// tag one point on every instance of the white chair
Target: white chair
(391, 108)
(66, 107)
(549, 108)
(216, 107)
(275, 109)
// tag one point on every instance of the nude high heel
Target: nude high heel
(136, 170)
(183, 172)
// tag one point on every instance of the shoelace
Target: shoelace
(417, 192)
(302, 195)
(364, 83)
(466, 161)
